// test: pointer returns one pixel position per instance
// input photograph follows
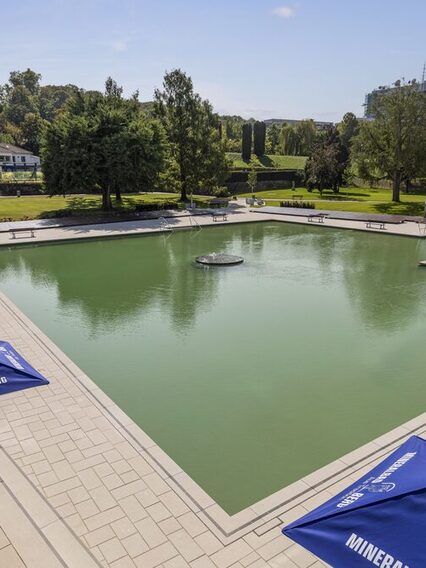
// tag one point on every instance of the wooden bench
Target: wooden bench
(375, 225)
(14, 232)
(317, 218)
(220, 216)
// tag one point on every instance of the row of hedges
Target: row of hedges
(140, 207)
(27, 188)
(298, 204)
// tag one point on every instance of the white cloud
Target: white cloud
(119, 46)
(284, 11)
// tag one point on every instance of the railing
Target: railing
(194, 223)
(165, 224)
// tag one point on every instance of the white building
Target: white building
(13, 157)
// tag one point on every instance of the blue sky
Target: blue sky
(261, 58)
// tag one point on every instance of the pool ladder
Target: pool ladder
(194, 223)
(165, 225)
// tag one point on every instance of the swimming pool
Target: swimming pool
(251, 376)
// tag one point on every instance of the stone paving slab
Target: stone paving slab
(99, 492)
(186, 221)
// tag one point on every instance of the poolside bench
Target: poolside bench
(317, 218)
(14, 232)
(375, 225)
(220, 216)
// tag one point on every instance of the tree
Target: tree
(252, 179)
(272, 139)
(322, 167)
(247, 141)
(307, 135)
(29, 80)
(348, 129)
(53, 98)
(290, 140)
(30, 132)
(259, 138)
(103, 142)
(19, 103)
(25, 105)
(193, 133)
(393, 145)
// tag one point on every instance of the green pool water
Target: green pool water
(250, 376)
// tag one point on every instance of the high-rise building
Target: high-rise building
(371, 98)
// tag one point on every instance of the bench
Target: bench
(318, 218)
(21, 230)
(220, 216)
(375, 225)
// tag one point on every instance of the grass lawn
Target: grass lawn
(405, 207)
(364, 200)
(271, 161)
(41, 206)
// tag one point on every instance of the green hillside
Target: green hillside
(269, 161)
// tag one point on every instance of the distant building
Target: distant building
(320, 125)
(14, 158)
(371, 98)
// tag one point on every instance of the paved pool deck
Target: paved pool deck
(83, 486)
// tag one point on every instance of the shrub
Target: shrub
(221, 192)
(140, 207)
(298, 204)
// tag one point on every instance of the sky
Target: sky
(255, 58)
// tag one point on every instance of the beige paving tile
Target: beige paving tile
(192, 524)
(4, 541)
(123, 528)
(112, 550)
(150, 532)
(9, 558)
(209, 543)
(156, 556)
(185, 545)
(231, 554)
(135, 545)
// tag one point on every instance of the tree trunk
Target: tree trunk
(106, 199)
(396, 186)
(183, 187)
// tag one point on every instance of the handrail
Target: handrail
(165, 224)
(194, 223)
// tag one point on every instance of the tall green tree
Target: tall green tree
(103, 142)
(193, 133)
(290, 141)
(348, 129)
(326, 165)
(393, 145)
(272, 139)
(259, 138)
(53, 98)
(247, 141)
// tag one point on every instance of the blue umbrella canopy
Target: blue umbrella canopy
(378, 521)
(15, 372)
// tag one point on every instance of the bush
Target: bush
(298, 204)
(221, 192)
(140, 207)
